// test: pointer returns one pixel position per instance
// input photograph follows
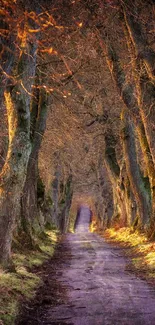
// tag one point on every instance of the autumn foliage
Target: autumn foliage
(77, 105)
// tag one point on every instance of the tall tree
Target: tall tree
(29, 200)
(17, 99)
(145, 58)
(127, 94)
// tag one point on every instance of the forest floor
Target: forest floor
(89, 281)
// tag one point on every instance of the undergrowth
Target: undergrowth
(21, 284)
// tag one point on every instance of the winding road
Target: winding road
(97, 289)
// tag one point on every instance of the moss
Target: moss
(21, 284)
(21, 65)
(68, 186)
(112, 161)
(40, 189)
(49, 201)
(50, 226)
(147, 185)
(62, 202)
(61, 187)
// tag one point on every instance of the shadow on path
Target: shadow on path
(52, 292)
(87, 284)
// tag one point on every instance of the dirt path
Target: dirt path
(87, 284)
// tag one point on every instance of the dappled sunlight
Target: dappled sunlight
(53, 235)
(150, 259)
(93, 225)
(126, 235)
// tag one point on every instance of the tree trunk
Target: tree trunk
(150, 171)
(55, 192)
(133, 171)
(145, 58)
(67, 201)
(126, 91)
(104, 204)
(61, 196)
(146, 99)
(140, 121)
(120, 213)
(13, 174)
(29, 208)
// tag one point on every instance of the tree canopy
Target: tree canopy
(78, 115)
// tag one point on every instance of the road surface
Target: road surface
(96, 287)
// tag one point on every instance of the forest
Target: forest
(77, 105)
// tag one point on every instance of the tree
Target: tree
(29, 201)
(17, 98)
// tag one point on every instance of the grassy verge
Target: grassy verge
(139, 249)
(17, 286)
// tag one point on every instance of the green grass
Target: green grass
(22, 284)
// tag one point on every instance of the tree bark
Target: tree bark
(145, 58)
(60, 194)
(126, 92)
(133, 171)
(29, 201)
(55, 193)
(146, 100)
(13, 174)
(104, 204)
(120, 213)
(67, 201)
(140, 121)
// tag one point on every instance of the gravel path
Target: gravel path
(94, 286)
